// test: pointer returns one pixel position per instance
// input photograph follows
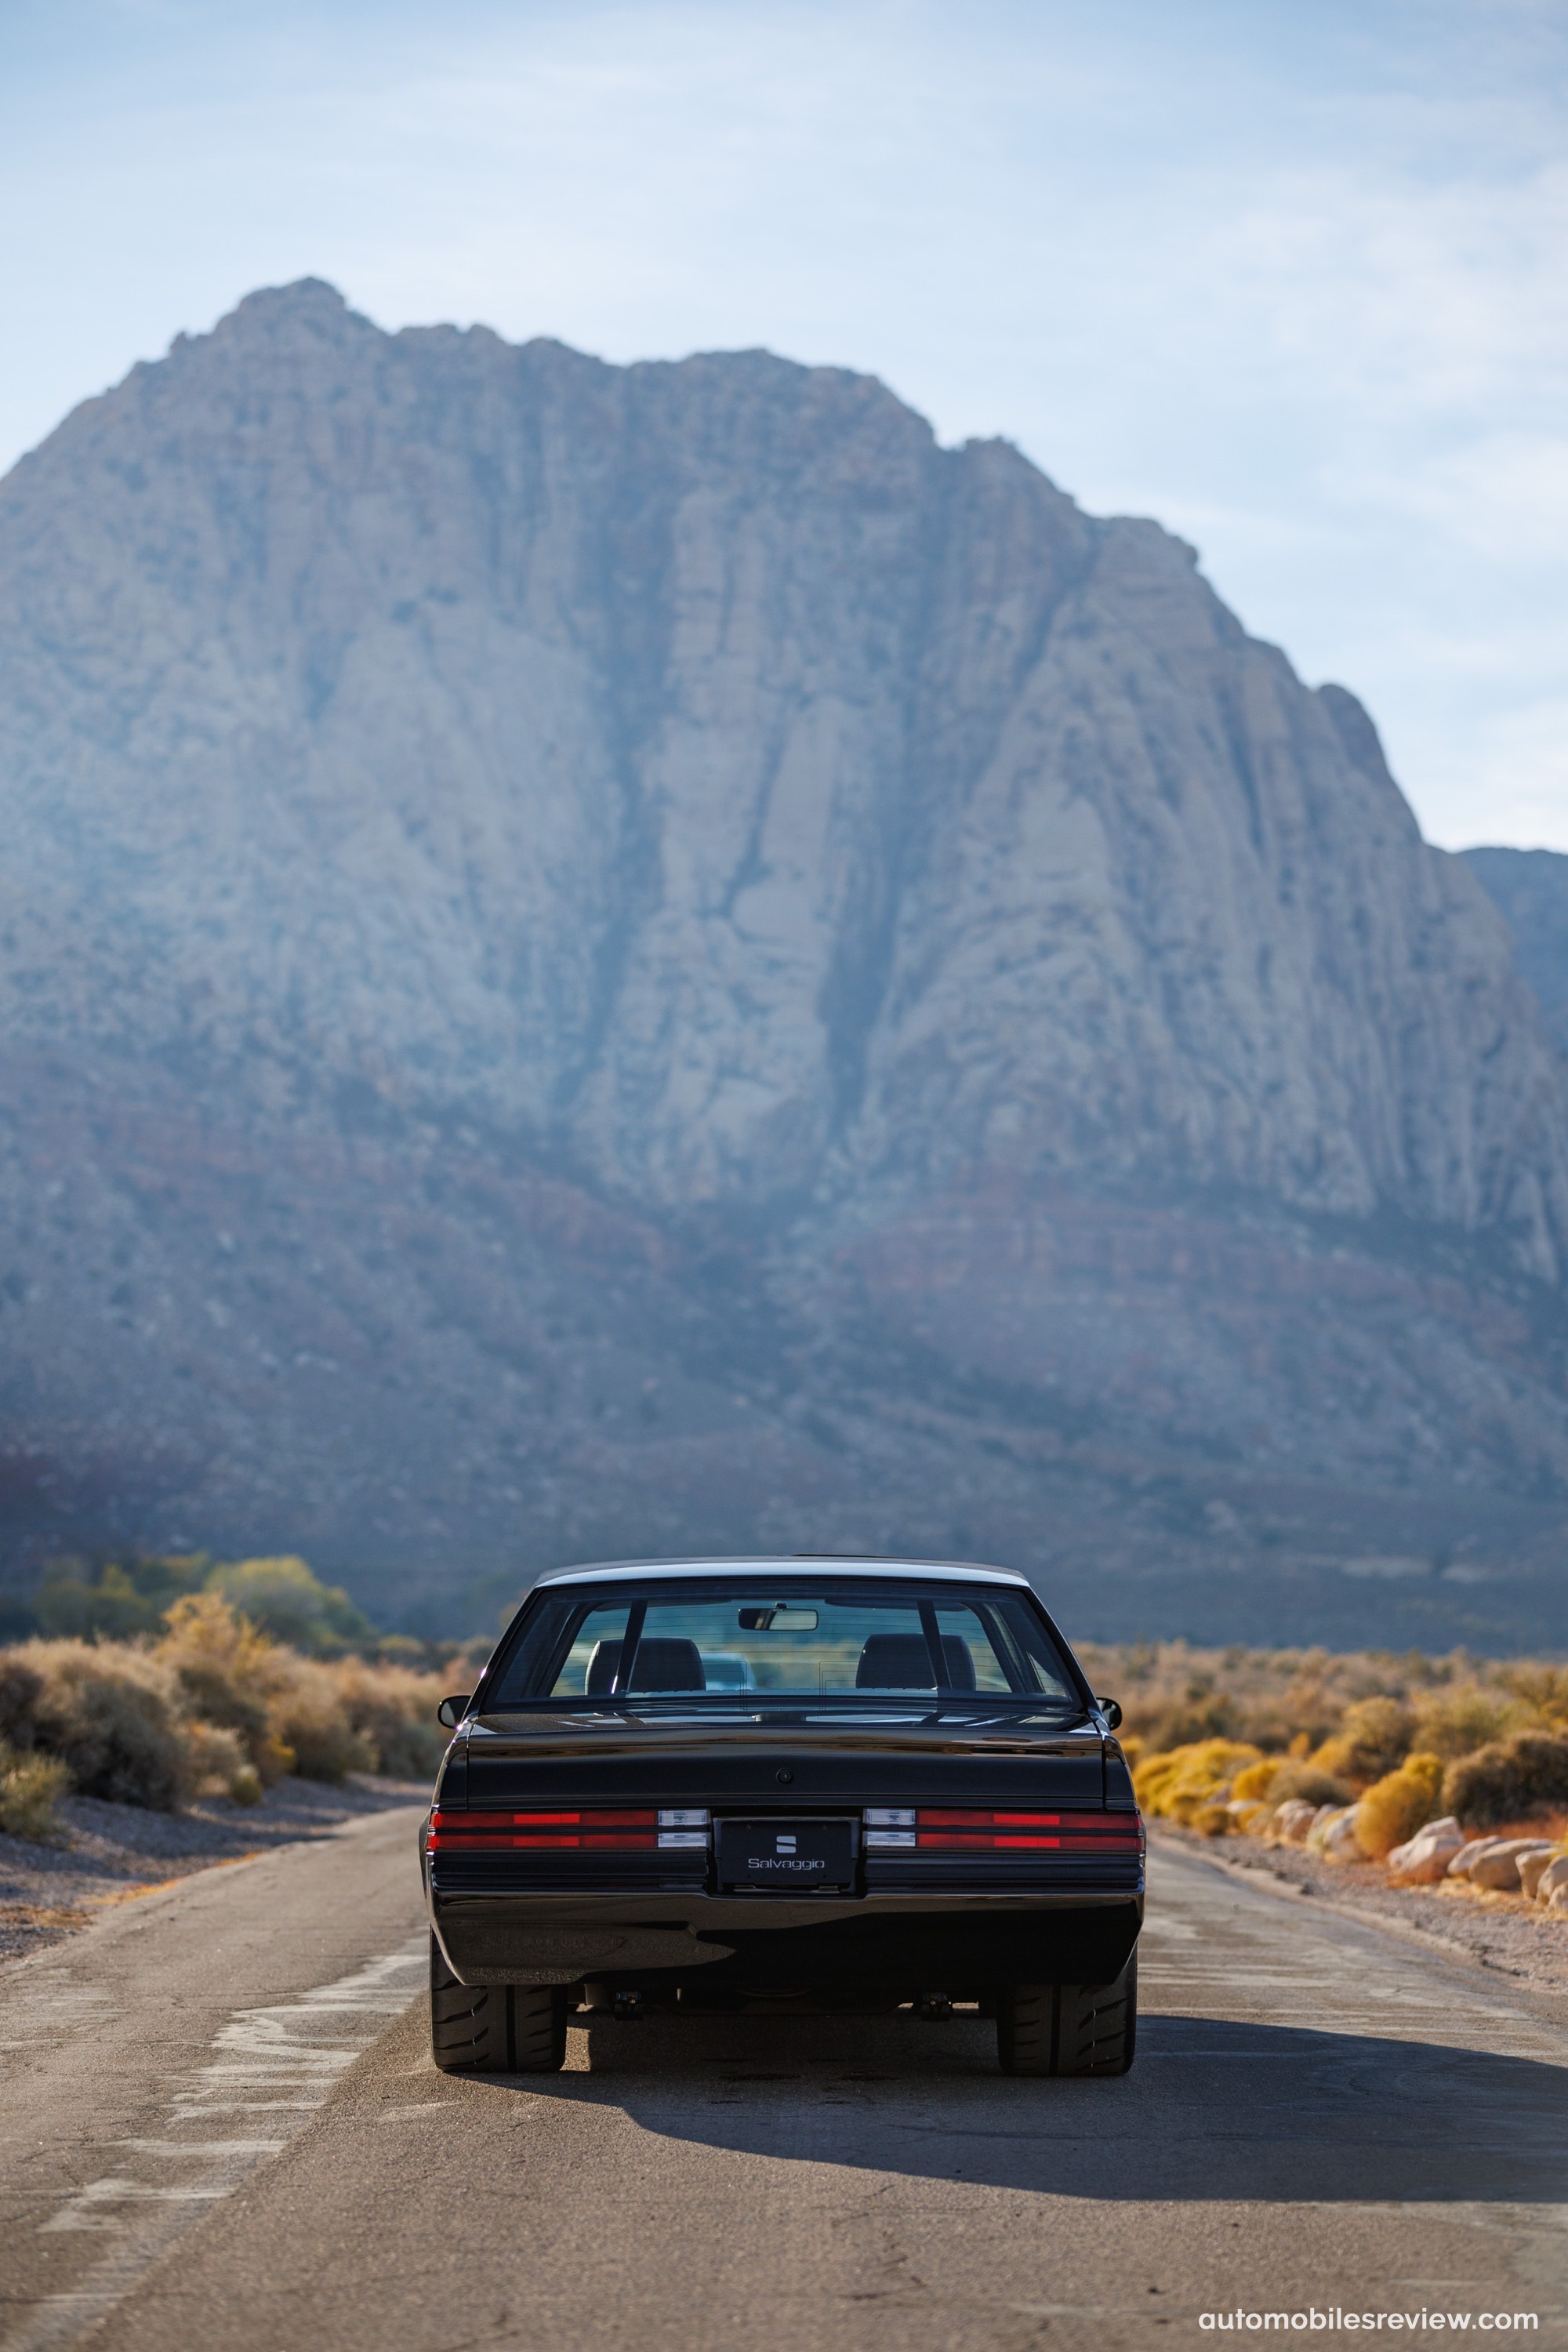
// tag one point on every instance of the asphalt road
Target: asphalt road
(223, 2133)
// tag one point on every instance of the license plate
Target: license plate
(786, 1857)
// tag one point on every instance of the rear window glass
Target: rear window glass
(812, 1639)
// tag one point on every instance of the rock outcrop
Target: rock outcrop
(556, 914)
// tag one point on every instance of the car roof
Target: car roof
(790, 1564)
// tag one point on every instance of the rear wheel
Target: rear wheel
(1068, 2029)
(494, 2029)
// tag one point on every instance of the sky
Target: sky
(1290, 276)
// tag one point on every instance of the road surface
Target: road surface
(222, 2133)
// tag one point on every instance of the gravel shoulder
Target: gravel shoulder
(1503, 1932)
(112, 1854)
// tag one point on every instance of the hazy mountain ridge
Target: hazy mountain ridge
(440, 778)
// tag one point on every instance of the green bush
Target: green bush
(289, 1600)
(119, 1599)
(1509, 1780)
(114, 1600)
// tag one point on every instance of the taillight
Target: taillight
(484, 1833)
(594, 1828)
(971, 1829)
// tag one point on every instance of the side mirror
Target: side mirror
(451, 1711)
(1110, 1711)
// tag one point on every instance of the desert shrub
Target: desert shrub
(1544, 1689)
(1509, 1780)
(1373, 1739)
(1278, 1778)
(1246, 1810)
(1453, 1723)
(213, 1705)
(1301, 1775)
(1198, 1715)
(1210, 1819)
(1179, 1783)
(216, 1764)
(1266, 1724)
(1300, 1719)
(20, 1691)
(31, 1786)
(227, 1670)
(112, 1715)
(307, 1714)
(393, 1710)
(1396, 1807)
(289, 1600)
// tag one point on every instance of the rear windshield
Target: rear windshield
(819, 1639)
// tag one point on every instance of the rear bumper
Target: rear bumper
(961, 1941)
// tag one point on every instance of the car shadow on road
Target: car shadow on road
(1212, 2110)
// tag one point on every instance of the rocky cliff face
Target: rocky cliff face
(598, 957)
(1529, 886)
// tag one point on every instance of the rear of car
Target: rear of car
(698, 1786)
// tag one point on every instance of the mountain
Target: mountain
(594, 959)
(1531, 887)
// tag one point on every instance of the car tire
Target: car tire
(538, 2029)
(1068, 2029)
(494, 2029)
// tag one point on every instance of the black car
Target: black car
(758, 1784)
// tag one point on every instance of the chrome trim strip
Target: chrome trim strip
(796, 1570)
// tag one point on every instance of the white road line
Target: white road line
(292, 2054)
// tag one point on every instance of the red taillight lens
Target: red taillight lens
(452, 1831)
(974, 1829)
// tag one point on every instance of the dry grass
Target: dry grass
(1221, 1739)
(31, 1787)
(1281, 1701)
(212, 1706)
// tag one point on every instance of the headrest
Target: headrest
(663, 1662)
(903, 1661)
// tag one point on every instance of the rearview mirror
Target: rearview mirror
(451, 1711)
(1110, 1711)
(781, 1619)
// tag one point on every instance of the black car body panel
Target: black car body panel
(543, 1864)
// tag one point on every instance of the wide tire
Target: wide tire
(1068, 2029)
(494, 2029)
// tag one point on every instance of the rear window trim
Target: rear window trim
(745, 1584)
